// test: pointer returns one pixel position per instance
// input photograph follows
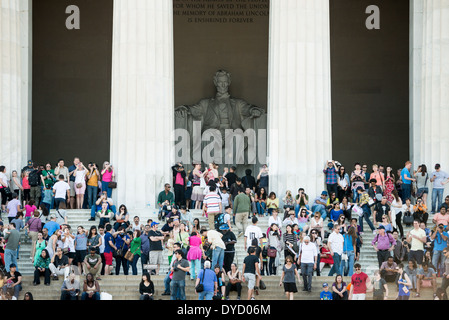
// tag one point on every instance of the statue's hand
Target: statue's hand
(255, 113)
(182, 112)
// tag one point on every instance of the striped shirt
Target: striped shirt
(212, 201)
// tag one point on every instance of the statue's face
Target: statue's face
(222, 84)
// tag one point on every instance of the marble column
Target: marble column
(15, 80)
(299, 103)
(430, 106)
(142, 100)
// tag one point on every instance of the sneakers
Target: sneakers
(55, 277)
(91, 219)
(165, 293)
(252, 298)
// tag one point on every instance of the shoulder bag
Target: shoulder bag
(200, 286)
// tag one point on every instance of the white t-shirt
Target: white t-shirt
(4, 178)
(308, 252)
(278, 221)
(394, 206)
(416, 244)
(252, 232)
(101, 247)
(61, 188)
(79, 178)
(336, 241)
(224, 200)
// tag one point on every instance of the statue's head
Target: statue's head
(222, 81)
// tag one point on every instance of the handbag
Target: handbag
(8, 191)
(200, 286)
(112, 185)
(129, 256)
(272, 252)
(79, 185)
(262, 285)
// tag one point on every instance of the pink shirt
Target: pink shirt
(439, 218)
(29, 209)
(25, 183)
(179, 180)
(107, 176)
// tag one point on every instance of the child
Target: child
(29, 209)
(26, 188)
(47, 196)
(303, 219)
(227, 217)
(325, 294)
(379, 287)
(224, 198)
(264, 241)
(169, 246)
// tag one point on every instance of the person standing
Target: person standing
(208, 279)
(177, 285)
(218, 247)
(250, 270)
(229, 240)
(12, 236)
(252, 232)
(384, 244)
(439, 179)
(288, 278)
(331, 176)
(156, 241)
(404, 284)
(359, 284)
(335, 244)
(212, 206)
(179, 183)
(417, 238)
(242, 207)
(308, 262)
(407, 180)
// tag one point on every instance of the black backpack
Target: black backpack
(33, 178)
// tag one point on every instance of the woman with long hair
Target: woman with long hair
(339, 289)
(91, 288)
(80, 174)
(404, 284)
(288, 277)
(197, 191)
(389, 184)
(107, 175)
(422, 182)
(146, 287)
(316, 239)
(349, 251)
(396, 212)
(94, 239)
(274, 242)
(272, 202)
(122, 217)
(290, 240)
(343, 183)
(261, 201)
(41, 267)
(195, 254)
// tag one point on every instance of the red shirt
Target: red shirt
(359, 282)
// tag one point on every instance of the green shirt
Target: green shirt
(163, 197)
(42, 262)
(242, 203)
(49, 180)
(135, 246)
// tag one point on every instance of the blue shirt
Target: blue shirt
(107, 247)
(51, 226)
(119, 241)
(326, 295)
(209, 279)
(347, 245)
(439, 244)
(81, 242)
(335, 214)
(405, 173)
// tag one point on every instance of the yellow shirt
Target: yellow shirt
(93, 181)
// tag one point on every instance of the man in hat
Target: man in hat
(320, 203)
(52, 225)
(326, 294)
(384, 244)
(28, 167)
(156, 245)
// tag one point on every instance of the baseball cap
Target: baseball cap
(325, 285)
(154, 223)
(224, 227)
(381, 227)
(12, 265)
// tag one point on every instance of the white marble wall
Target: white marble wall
(15, 80)
(142, 100)
(430, 87)
(299, 101)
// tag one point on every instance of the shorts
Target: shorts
(108, 258)
(417, 256)
(156, 257)
(72, 188)
(251, 279)
(290, 287)
(71, 255)
(80, 255)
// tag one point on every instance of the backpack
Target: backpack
(219, 221)
(33, 178)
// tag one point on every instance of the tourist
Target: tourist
(335, 244)
(383, 244)
(194, 254)
(248, 180)
(107, 176)
(357, 180)
(179, 268)
(42, 268)
(94, 239)
(363, 201)
(302, 200)
(344, 184)
(330, 170)
(71, 181)
(80, 175)
(426, 278)
(91, 288)
(156, 242)
(70, 289)
(13, 277)
(146, 287)
(404, 284)
(59, 265)
(220, 290)
(274, 218)
(308, 262)
(250, 271)
(326, 294)
(165, 200)
(407, 180)
(122, 242)
(211, 205)
(439, 179)
(93, 176)
(422, 179)
(380, 287)
(261, 201)
(92, 263)
(349, 251)
(417, 238)
(339, 289)
(80, 246)
(252, 232)
(121, 218)
(420, 211)
(26, 192)
(53, 242)
(61, 189)
(359, 283)
(288, 278)
(274, 242)
(12, 238)
(389, 270)
(13, 207)
(378, 176)
(109, 248)
(241, 208)
(68, 240)
(380, 209)
(272, 203)
(179, 183)
(217, 246)
(208, 279)
(229, 240)
(235, 282)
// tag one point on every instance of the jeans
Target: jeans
(406, 192)
(58, 201)
(134, 264)
(307, 272)
(121, 261)
(217, 257)
(321, 209)
(195, 267)
(167, 281)
(17, 289)
(205, 295)
(95, 296)
(91, 195)
(347, 267)
(178, 290)
(366, 215)
(261, 207)
(105, 187)
(437, 195)
(336, 266)
(10, 258)
(437, 255)
(382, 256)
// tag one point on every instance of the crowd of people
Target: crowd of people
(303, 234)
